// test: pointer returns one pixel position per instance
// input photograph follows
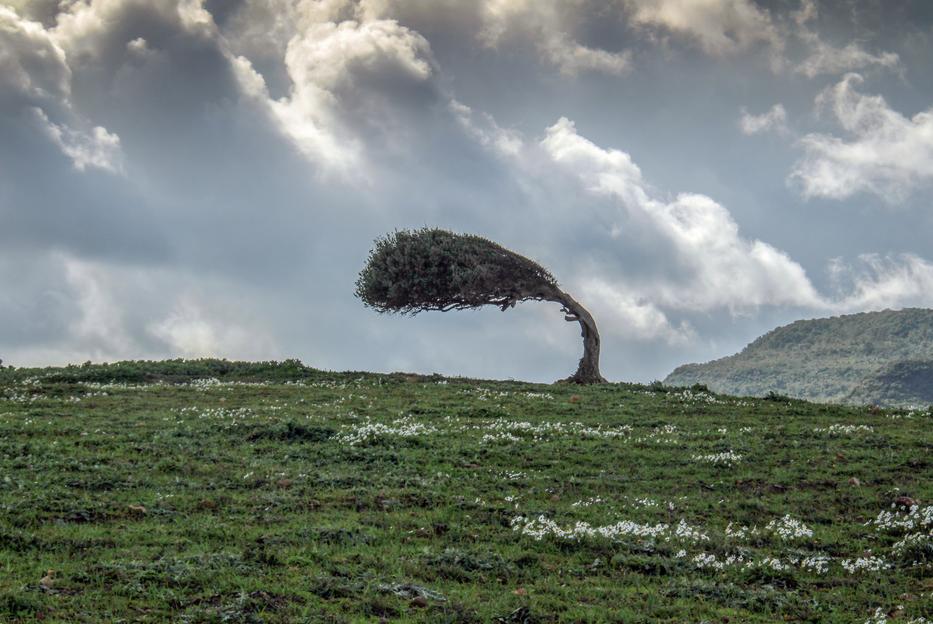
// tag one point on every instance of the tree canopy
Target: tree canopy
(432, 269)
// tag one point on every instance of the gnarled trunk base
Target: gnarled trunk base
(585, 375)
(588, 368)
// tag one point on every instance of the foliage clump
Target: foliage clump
(432, 269)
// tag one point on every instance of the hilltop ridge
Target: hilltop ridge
(870, 357)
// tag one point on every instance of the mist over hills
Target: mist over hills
(883, 358)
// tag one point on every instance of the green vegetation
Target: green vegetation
(883, 358)
(908, 382)
(213, 491)
(432, 269)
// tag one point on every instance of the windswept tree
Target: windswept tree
(431, 269)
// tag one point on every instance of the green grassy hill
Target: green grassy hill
(275, 493)
(840, 359)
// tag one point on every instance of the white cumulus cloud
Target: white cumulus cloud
(347, 84)
(630, 316)
(709, 265)
(775, 119)
(33, 68)
(717, 26)
(877, 282)
(94, 148)
(825, 59)
(883, 151)
(551, 25)
(35, 80)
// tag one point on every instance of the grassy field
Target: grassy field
(219, 492)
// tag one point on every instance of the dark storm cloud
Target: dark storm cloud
(185, 178)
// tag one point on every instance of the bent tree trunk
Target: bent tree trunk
(588, 369)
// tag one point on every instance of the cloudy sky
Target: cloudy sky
(182, 178)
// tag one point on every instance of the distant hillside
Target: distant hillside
(873, 357)
(900, 383)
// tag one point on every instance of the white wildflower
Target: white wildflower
(864, 564)
(726, 458)
(788, 528)
(839, 429)
(816, 563)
